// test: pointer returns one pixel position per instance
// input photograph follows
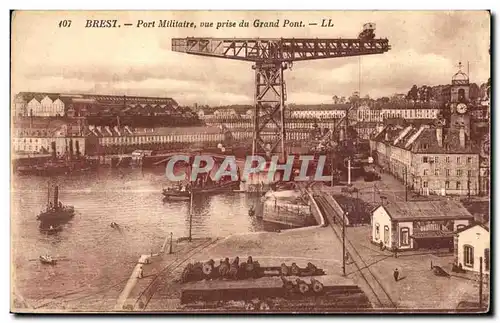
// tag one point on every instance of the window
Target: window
(459, 172)
(425, 146)
(469, 173)
(458, 160)
(447, 172)
(377, 231)
(386, 235)
(424, 159)
(447, 159)
(425, 184)
(436, 159)
(469, 160)
(405, 236)
(459, 185)
(487, 259)
(426, 172)
(436, 172)
(468, 255)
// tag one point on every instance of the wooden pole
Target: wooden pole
(191, 216)
(343, 243)
(171, 241)
(331, 166)
(480, 282)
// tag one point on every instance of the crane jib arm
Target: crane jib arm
(279, 49)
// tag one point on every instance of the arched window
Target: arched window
(377, 231)
(461, 95)
(468, 255)
(386, 235)
(405, 236)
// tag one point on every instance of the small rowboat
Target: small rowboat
(47, 260)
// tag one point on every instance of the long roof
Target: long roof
(423, 139)
(426, 210)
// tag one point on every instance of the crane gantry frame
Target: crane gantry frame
(271, 57)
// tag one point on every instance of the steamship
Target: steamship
(69, 163)
(56, 211)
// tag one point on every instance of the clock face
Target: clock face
(461, 108)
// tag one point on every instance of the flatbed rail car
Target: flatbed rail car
(270, 294)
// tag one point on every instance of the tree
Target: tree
(413, 93)
(474, 92)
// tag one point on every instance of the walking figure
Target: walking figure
(396, 274)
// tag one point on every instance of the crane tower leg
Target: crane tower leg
(269, 118)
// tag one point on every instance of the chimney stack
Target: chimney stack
(461, 136)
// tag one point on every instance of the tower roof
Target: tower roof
(460, 78)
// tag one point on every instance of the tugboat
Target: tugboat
(56, 211)
(50, 229)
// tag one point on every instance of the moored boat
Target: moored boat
(47, 260)
(184, 193)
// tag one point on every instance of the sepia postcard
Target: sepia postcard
(250, 161)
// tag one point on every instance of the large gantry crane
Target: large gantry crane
(271, 56)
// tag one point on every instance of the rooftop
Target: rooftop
(427, 210)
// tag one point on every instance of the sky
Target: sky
(426, 47)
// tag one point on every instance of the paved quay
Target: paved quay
(159, 290)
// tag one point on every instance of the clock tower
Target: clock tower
(460, 103)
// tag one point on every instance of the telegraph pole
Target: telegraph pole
(343, 243)
(331, 166)
(480, 282)
(191, 215)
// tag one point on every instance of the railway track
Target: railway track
(161, 278)
(375, 286)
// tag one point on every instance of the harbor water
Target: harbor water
(92, 253)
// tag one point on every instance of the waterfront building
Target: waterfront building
(429, 160)
(443, 158)
(80, 105)
(112, 140)
(414, 225)
(39, 104)
(326, 111)
(38, 135)
(471, 243)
